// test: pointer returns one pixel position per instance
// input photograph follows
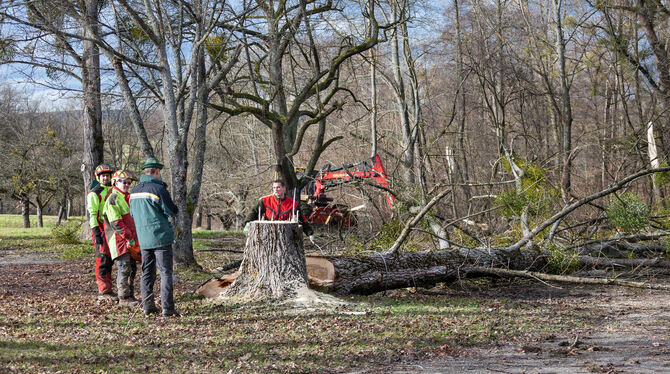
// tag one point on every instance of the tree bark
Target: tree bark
(93, 147)
(198, 217)
(624, 262)
(274, 262)
(566, 107)
(25, 211)
(40, 219)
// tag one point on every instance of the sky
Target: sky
(52, 99)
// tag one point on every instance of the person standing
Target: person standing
(279, 207)
(151, 207)
(95, 201)
(122, 236)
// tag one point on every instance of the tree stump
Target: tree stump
(274, 263)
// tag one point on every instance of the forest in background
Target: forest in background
(507, 111)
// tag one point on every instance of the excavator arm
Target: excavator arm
(328, 177)
(369, 169)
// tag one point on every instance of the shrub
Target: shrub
(67, 233)
(628, 212)
(663, 178)
(666, 246)
(386, 236)
(561, 261)
(75, 252)
(536, 193)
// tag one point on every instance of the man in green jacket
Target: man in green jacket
(151, 207)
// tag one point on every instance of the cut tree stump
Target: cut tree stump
(273, 268)
(273, 265)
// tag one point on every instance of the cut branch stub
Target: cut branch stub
(274, 262)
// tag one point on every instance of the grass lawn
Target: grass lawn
(50, 321)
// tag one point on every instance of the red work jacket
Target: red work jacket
(276, 210)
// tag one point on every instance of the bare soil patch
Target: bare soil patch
(632, 336)
(11, 256)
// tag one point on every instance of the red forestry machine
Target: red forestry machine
(314, 193)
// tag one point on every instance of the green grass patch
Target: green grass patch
(16, 221)
(76, 252)
(67, 233)
(212, 234)
(13, 235)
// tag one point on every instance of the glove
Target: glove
(97, 235)
(246, 229)
(131, 243)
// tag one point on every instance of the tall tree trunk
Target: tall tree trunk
(176, 133)
(373, 101)
(62, 210)
(566, 107)
(647, 11)
(499, 100)
(373, 89)
(463, 167)
(398, 16)
(93, 147)
(25, 211)
(40, 216)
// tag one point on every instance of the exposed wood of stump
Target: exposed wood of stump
(378, 272)
(274, 262)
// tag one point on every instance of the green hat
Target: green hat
(152, 162)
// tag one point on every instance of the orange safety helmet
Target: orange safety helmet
(102, 169)
(122, 175)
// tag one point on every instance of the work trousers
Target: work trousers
(103, 271)
(161, 257)
(103, 266)
(125, 278)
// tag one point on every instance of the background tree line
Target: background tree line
(505, 110)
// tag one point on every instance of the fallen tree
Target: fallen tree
(367, 274)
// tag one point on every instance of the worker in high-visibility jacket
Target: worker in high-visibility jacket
(122, 236)
(279, 207)
(95, 201)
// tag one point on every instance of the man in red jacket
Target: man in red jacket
(279, 207)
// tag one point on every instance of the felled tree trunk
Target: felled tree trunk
(379, 272)
(274, 262)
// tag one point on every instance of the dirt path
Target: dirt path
(10, 256)
(634, 337)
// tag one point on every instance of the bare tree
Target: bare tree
(39, 36)
(289, 81)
